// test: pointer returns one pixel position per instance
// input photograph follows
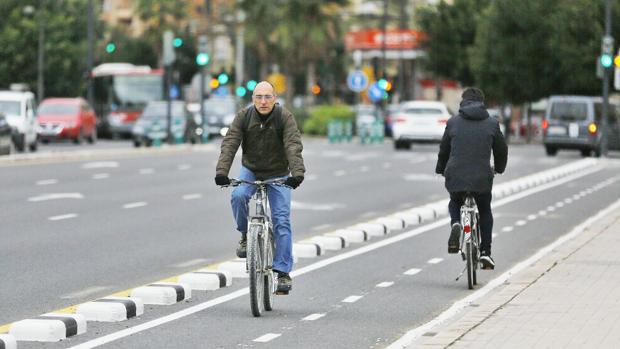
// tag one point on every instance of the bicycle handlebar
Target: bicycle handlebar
(234, 182)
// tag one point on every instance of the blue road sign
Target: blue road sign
(174, 92)
(375, 93)
(221, 91)
(357, 81)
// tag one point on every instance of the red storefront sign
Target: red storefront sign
(372, 39)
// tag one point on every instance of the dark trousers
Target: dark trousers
(483, 200)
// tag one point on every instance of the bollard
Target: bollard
(178, 136)
(156, 130)
(348, 130)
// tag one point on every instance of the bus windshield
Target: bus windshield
(136, 90)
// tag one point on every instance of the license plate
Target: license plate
(573, 130)
(556, 131)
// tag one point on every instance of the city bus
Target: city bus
(121, 91)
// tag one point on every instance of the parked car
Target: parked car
(19, 110)
(419, 121)
(152, 125)
(574, 122)
(5, 136)
(219, 112)
(67, 118)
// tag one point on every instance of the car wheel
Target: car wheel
(20, 143)
(585, 152)
(598, 151)
(79, 138)
(136, 143)
(551, 151)
(93, 137)
(33, 146)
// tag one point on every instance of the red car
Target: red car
(70, 118)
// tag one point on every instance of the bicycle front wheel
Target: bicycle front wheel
(471, 273)
(269, 277)
(255, 269)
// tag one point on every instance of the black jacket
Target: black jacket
(465, 150)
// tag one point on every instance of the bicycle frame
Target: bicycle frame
(470, 239)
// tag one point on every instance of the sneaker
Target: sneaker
(455, 235)
(487, 262)
(285, 283)
(242, 248)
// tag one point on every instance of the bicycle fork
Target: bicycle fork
(465, 239)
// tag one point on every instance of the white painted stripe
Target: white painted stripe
(551, 208)
(147, 171)
(458, 306)
(559, 204)
(192, 196)
(101, 175)
(576, 197)
(412, 271)
(47, 181)
(531, 217)
(267, 337)
(100, 164)
(63, 216)
(311, 177)
(135, 204)
(318, 265)
(520, 223)
(385, 284)
(542, 213)
(340, 173)
(507, 229)
(434, 260)
(55, 196)
(352, 299)
(364, 169)
(313, 317)
(184, 167)
(85, 292)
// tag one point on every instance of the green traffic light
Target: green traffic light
(241, 91)
(251, 85)
(223, 78)
(382, 84)
(606, 61)
(177, 42)
(110, 47)
(202, 59)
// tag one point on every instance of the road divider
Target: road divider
(392, 222)
(307, 249)
(164, 293)
(373, 229)
(236, 268)
(350, 235)
(206, 280)
(51, 327)
(111, 309)
(331, 243)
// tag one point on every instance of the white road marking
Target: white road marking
(63, 216)
(47, 181)
(352, 299)
(192, 196)
(313, 317)
(576, 197)
(311, 177)
(184, 167)
(421, 177)
(335, 259)
(190, 263)
(135, 204)
(531, 217)
(100, 164)
(412, 271)
(86, 292)
(568, 201)
(340, 173)
(521, 223)
(542, 213)
(364, 169)
(434, 260)
(551, 208)
(315, 207)
(56, 196)
(322, 227)
(266, 338)
(385, 284)
(147, 171)
(507, 229)
(559, 204)
(101, 175)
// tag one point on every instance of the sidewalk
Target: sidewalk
(570, 298)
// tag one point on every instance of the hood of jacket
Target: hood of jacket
(473, 110)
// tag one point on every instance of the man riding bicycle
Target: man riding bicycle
(464, 160)
(271, 144)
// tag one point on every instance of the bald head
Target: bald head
(264, 97)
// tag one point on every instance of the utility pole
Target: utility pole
(401, 63)
(89, 54)
(606, 72)
(239, 48)
(384, 41)
(41, 53)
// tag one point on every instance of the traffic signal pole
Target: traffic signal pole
(606, 72)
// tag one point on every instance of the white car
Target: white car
(419, 121)
(19, 109)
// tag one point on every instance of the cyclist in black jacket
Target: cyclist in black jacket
(464, 160)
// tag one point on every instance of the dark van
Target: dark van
(574, 122)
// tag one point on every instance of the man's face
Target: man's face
(264, 98)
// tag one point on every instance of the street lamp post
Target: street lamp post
(38, 16)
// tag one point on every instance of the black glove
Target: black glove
(294, 181)
(222, 180)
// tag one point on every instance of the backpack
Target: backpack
(277, 120)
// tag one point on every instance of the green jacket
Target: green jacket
(264, 152)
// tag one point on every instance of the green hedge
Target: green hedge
(319, 116)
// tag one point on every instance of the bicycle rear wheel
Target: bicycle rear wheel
(255, 269)
(269, 278)
(471, 274)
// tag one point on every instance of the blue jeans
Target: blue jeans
(280, 202)
(483, 201)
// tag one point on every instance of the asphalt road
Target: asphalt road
(121, 223)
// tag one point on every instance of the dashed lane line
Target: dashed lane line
(101, 176)
(507, 229)
(435, 260)
(268, 337)
(63, 217)
(412, 271)
(146, 171)
(135, 204)
(47, 182)
(352, 299)
(385, 284)
(192, 196)
(313, 317)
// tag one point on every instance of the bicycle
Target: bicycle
(470, 239)
(259, 261)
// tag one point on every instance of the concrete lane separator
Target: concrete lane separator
(331, 243)
(414, 334)
(51, 327)
(210, 280)
(350, 235)
(111, 309)
(7, 341)
(236, 267)
(372, 229)
(392, 222)
(162, 293)
(307, 249)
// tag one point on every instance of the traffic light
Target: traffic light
(202, 59)
(214, 83)
(177, 42)
(606, 60)
(222, 78)
(383, 84)
(617, 61)
(251, 85)
(241, 91)
(110, 47)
